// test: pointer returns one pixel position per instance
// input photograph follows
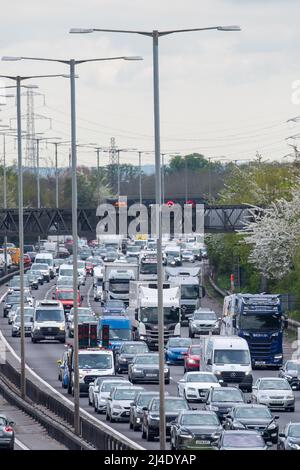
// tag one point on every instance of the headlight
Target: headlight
(272, 426)
(154, 418)
(191, 389)
(217, 372)
(238, 425)
(166, 370)
(191, 361)
(289, 377)
(62, 327)
(142, 337)
(185, 436)
(37, 328)
(139, 371)
(290, 397)
(80, 376)
(216, 325)
(248, 372)
(122, 359)
(278, 356)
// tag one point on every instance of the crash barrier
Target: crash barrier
(287, 302)
(44, 398)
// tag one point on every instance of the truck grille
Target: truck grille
(49, 331)
(233, 377)
(261, 351)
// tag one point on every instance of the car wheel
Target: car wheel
(90, 403)
(291, 409)
(135, 427)
(167, 382)
(33, 340)
(149, 436)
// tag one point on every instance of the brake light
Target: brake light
(8, 429)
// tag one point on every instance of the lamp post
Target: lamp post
(155, 35)
(72, 63)
(18, 80)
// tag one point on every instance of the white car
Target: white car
(274, 392)
(119, 402)
(102, 392)
(194, 386)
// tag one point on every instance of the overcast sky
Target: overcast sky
(222, 93)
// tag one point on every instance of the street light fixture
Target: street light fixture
(155, 35)
(71, 63)
(18, 80)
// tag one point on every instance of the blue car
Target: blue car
(176, 349)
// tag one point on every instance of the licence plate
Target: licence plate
(49, 337)
(151, 375)
(202, 442)
(260, 362)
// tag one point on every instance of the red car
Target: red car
(65, 296)
(89, 268)
(27, 260)
(192, 358)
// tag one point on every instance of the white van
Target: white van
(228, 357)
(46, 258)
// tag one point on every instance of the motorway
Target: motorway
(42, 359)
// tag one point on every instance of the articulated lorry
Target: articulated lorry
(116, 279)
(259, 319)
(191, 290)
(143, 309)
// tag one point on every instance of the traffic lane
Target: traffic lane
(29, 435)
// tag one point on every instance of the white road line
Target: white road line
(88, 298)
(113, 432)
(21, 445)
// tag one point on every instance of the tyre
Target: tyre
(90, 403)
(149, 436)
(167, 382)
(33, 340)
(135, 427)
(191, 335)
(291, 409)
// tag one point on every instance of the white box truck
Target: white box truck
(143, 309)
(116, 279)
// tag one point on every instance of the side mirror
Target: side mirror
(31, 319)
(109, 398)
(276, 417)
(132, 403)
(92, 384)
(254, 387)
(269, 444)
(145, 408)
(96, 389)
(281, 434)
(11, 423)
(181, 380)
(209, 363)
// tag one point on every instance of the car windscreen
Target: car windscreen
(134, 348)
(86, 318)
(293, 366)
(189, 292)
(220, 395)
(65, 295)
(207, 378)
(27, 319)
(199, 420)
(107, 386)
(40, 266)
(253, 412)
(66, 272)
(204, 316)
(171, 405)
(231, 356)
(95, 361)
(195, 351)
(243, 440)
(114, 304)
(144, 399)
(49, 315)
(147, 360)
(180, 342)
(125, 394)
(274, 385)
(294, 430)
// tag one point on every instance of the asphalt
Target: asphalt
(29, 435)
(42, 359)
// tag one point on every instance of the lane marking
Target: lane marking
(111, 431)
(21, 445)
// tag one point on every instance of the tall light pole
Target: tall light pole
(71, 63)
(18, 80)
(155, 35)
(140, 178)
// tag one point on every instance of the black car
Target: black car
(222, 400)
(126, 353)
(150, 425)
(257, 417)
(241, 440)
(195, 430)
(145, 368)
(289, 439)
(291, 372)
(141, 401)
(7, 435)
(10, 300)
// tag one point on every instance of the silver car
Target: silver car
(16, 325)
(274, 392)
(145, 368)
(102, 392)
(203, 321)
(119, 402)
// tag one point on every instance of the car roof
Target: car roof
(197, 412)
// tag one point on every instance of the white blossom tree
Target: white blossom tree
(274, 235)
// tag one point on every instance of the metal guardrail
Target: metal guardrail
(39, 393)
